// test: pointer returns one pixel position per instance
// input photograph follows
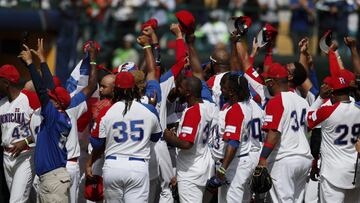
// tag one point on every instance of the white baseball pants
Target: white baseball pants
(19, 174)
(333, 194)
(238, 178)
(73, 169)
(289, 176)
(190, 192)
(125, 180)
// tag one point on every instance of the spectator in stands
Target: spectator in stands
(332, 14)
(302, 18)
(269, 12)
(126, 53)
(215, 30)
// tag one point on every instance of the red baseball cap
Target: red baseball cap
(125, 80)
(10, 73)
(153, 23)
(186, 20)
(94, 189)
(266, 34)
(276, 70)
(327, 80)
(57, 81)
(348, 75)
(61, 95)
(337, 83)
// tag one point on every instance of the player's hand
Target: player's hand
(325, 91)
(93, 51)
(26, 55)
(89, 171)
(350, 42)
(304, 45)
(143, 40)
(175, 29)
(315, 171)
(357, 145)
(153, 98)
(213, 183)
(17, 148)
(334, 46)
(262, 163)
(255, 48)
(40, 50)
(168, 133)
(148, 31)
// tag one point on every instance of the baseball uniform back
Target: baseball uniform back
(338, 154)
(127, 150)
(237, 126)
(290, 160)
(193, 164)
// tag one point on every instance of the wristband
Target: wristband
(27, 142)
(266, 150)
(93, 63)
(147, 46)
(222, 170)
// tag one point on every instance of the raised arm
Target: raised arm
(46, 74)
(150, 32)
(92, 81)
(194, 58)
(243, 55)
(149, 57)
(39, 84)
(235, 65)
(355, 58)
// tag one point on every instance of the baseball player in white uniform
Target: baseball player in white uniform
(124, 133)
(234, 129)
(193, 155)
(16, 109)
(286, 151)
(339, 136)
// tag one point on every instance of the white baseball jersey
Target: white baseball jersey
(255, 81)
(193, 164)
(214, 84)
(256, 133)
(286, 113)
(310, 96)
(15, 117)
(237, 125)
(340, 127)
(128, 135)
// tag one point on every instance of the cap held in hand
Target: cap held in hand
(266, 35)
(186, 21)
(153, 23)
(10, 73)
(325, 41)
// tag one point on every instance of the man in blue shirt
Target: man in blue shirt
(50, 151)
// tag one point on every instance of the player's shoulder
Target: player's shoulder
(276, 100)
(193, 111)
(147, 108)
(30, 98)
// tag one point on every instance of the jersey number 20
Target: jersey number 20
(136, 131)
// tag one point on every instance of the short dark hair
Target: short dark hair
(342, 91)
(239, 85)
(194, 85)
(299, 74)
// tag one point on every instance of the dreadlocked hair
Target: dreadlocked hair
(126, 95)
(239, 86)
